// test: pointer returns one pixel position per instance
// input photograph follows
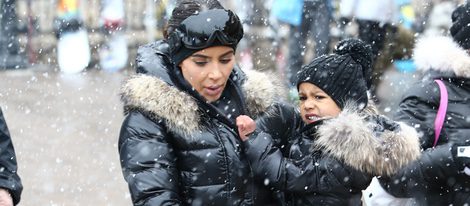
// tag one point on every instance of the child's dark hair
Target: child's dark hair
(187, 8)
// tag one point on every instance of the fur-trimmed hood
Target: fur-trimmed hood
(368, 142)
(180, 110)
(441, 54)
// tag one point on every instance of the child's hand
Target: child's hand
(246, 126)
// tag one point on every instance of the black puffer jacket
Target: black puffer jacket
(434, 178)
(330, 162)
(178, 150)
(439, 58)
(9, 179)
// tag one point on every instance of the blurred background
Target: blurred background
(65, 125)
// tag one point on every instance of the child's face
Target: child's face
(315, 104)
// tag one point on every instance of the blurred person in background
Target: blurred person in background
(438, 21)
(10, 182)
(261, 37)
(179, 143)
(315, 25)
(429, 17)
(374, 19)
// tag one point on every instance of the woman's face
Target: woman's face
(315, 104)
(208, 70)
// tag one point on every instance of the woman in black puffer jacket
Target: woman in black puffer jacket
(178, 143)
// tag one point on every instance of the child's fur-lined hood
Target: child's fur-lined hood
(179, 110)
(352, 138)
(441, 54)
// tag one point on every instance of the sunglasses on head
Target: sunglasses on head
(201, 30)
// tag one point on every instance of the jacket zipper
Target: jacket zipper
(226, 162)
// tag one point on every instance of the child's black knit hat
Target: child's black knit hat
(344, 75)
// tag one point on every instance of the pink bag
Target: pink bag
(441, 112)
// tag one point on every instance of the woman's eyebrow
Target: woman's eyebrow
(199, 55)
(204, 56)
(226, 53)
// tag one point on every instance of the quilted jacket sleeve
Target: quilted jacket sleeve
(148, 162)
(300, 176)
(9, 179)
(434, 168)
(280, 122)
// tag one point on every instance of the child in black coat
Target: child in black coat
(337, 142)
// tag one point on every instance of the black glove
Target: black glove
(461, 156)
(460, 29)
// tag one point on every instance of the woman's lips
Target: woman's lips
(213, 90)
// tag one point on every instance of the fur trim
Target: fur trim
(179, 109)
(260, 91)
(370, 109)
(161, 100)
(350, 138)
(442, 54)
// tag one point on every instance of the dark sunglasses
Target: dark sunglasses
(201, 30)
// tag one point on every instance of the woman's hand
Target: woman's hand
(246, 126)
(5, 198)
